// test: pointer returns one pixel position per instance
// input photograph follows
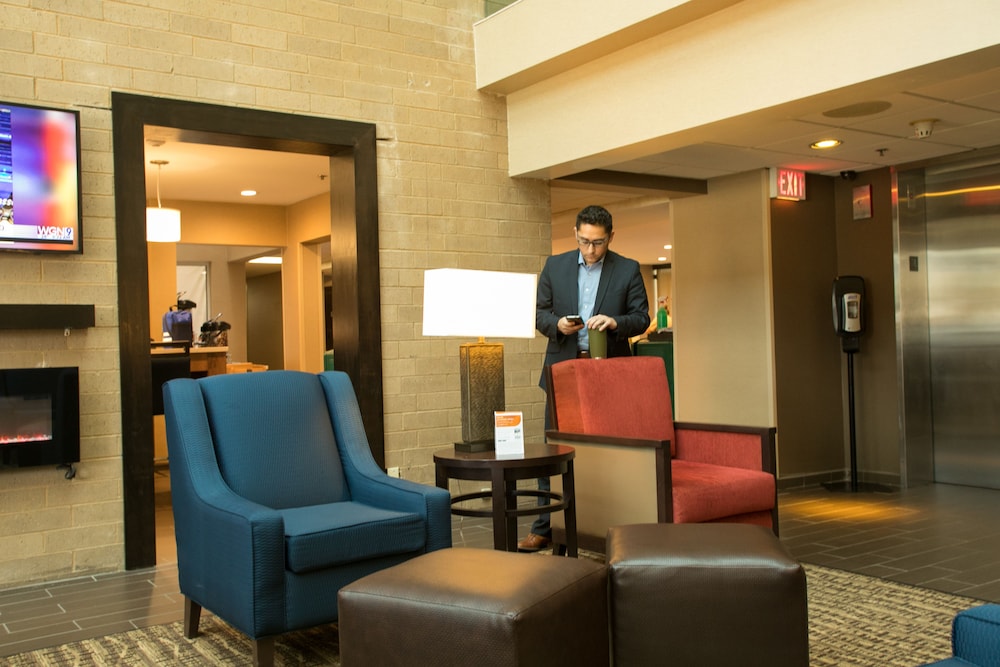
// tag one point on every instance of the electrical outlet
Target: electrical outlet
(393, 471)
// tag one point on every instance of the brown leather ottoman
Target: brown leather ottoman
(705, 594)
(477, 607)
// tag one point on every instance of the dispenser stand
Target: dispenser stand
(853, 485)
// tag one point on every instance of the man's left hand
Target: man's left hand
(602, 323)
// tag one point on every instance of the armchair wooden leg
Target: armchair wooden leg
(192, 616)
(263, 652)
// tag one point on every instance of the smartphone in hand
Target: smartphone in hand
(575, 320)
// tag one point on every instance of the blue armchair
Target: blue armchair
(278, 502)
(975, 638)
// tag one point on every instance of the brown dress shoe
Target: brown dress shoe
(533, 542)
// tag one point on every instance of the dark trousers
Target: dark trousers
(541, 525)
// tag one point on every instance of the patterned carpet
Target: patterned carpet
(854, 621)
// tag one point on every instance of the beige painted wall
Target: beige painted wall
(808, 358)
(723, 333)
(302, 284)
(213, 223)
(445, 199)
(533, 50)
(162, 284)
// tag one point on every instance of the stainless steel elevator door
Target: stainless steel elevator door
(963, 273)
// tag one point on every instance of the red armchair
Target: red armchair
(634, 464)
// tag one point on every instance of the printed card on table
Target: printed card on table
(508, 433)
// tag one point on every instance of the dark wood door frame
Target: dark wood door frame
(355, 262)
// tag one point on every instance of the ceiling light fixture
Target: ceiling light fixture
(265, 260)
(823, 144)
(248, 193)
(668, 247)
(163, 225)
(661, 259)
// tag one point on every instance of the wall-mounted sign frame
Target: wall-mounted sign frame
(862, 202)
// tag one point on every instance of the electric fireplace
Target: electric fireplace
(39, 417)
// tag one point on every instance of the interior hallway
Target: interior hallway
(938, 536)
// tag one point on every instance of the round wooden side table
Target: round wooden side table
(503, 473)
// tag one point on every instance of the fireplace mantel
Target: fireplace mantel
(46, 316)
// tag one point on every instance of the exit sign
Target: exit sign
(788, 184)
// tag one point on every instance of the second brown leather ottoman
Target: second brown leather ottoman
(477, 607)
(705, 594)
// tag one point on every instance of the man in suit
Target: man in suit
(606, 290)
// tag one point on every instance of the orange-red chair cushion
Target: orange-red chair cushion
(705, 492)
(623, 397)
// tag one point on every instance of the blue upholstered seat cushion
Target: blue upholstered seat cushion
(321, 536)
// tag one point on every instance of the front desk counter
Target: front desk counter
(204, 360)
(208, 361)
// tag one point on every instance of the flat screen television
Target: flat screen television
(40, 204)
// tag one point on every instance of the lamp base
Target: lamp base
(481, 379)
(475, 446)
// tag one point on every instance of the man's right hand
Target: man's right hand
(566, 327)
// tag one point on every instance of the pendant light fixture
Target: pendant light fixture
(163, 225)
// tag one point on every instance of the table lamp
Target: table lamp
(498, 304)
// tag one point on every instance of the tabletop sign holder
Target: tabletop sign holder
(508, 433)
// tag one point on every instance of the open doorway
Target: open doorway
(356, 317)
(265, 334)
(238, 317)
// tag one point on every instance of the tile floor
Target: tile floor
(937, 536)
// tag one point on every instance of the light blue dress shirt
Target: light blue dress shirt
(587, 280)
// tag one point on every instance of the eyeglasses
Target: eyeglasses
(597, 243)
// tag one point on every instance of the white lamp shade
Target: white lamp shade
(495, 304)
(163, 225)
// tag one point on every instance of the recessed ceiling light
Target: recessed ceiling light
(265, 260)
(825, 143)
(668, 247)
(248, 193)
(661, 259)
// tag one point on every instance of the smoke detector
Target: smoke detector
(923, 128)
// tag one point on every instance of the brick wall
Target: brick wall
(445, 201)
